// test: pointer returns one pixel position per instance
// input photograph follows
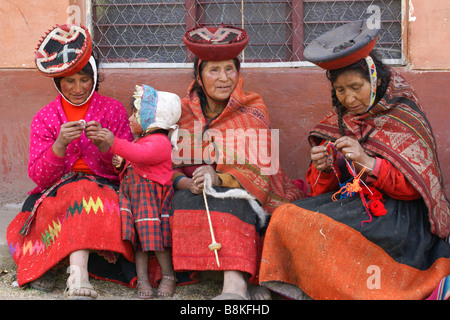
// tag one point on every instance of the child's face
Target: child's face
(134, 125)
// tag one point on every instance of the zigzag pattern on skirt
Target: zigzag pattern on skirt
(49, 235)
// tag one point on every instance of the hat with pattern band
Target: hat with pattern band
(63, 51)
(216, 43)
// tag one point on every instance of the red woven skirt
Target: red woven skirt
(81, 213)
(235, 227)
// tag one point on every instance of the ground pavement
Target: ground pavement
(207, 288)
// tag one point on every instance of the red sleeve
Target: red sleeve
(389, 180)
(393, 183)
(150, 150)
(321, 182)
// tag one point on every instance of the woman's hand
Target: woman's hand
(319, 158)
(69, 131)
(198, 179)
(352, 151)
(91, 131)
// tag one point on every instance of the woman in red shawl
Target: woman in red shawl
(376, 225)
(216, 113)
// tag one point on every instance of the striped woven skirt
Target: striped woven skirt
(145, 207)
(320, 247)
(80, 212)
(235, 226)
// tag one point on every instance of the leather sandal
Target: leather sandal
(46, 282)
(144, 290)
(231, 296)
(166, 286)
(72, 291)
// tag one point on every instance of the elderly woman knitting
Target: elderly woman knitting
(376, 224)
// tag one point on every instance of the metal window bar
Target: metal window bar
(134, 33)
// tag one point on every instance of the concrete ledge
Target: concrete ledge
(7, 213)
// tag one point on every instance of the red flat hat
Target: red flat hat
(63, 51)
(216, 43)
(343, 46)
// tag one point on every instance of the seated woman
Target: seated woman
(74, 208)
(216, 114)
(376, 223)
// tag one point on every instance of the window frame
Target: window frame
(260, 65)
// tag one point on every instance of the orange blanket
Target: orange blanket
(329, 260)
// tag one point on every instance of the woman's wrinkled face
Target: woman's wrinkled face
(77, 87)
(220, 79)
(353, 91)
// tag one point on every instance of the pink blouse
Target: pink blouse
(45, 168)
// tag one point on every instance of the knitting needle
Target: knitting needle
(214, 245)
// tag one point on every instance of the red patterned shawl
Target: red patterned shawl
(399, 132)
(246, 112)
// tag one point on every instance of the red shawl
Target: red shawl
(399, 132)
(243, 122)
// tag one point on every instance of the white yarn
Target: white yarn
(237, 194)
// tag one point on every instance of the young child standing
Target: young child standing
(146, 191)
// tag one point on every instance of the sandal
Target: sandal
(257, 292)
(46, 282)
(72, 291)
(166, 286)
(144, 290)
(231, 296)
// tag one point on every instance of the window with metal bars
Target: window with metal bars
(142, 32)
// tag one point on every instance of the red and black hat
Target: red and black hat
(343, 46)
(64, 51)
(216, 43)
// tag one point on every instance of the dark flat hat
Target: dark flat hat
(216, 43)
(342, 46)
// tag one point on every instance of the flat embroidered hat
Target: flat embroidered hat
(216, 43)
(63, 51)
(342, 46)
